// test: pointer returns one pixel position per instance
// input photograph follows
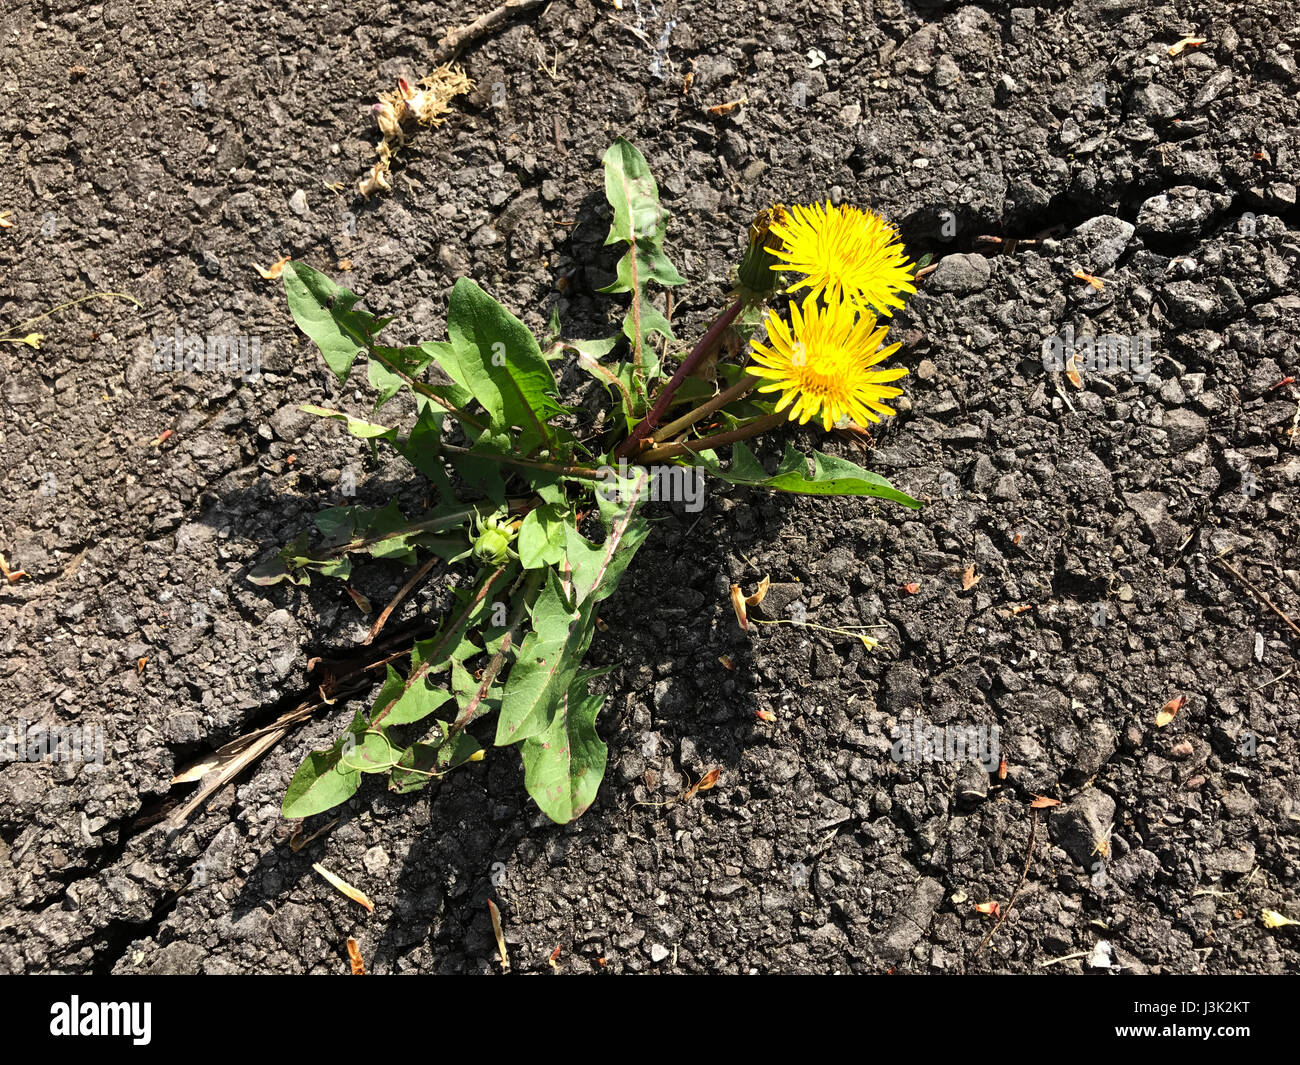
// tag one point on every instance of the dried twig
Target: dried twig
(452, 45)
(1255, 591)
(1029, 857)
(405, 590)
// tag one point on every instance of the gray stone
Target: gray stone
(1097, 244)
(1183, 209)
(1083, 824)
(961, 274)
(1185, 429)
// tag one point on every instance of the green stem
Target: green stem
(743, 387)
(452, 633)
(464, 417)
(585, 472)
(706, 443)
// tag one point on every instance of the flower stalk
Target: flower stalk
(706, 344)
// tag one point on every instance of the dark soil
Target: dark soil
(159, 149)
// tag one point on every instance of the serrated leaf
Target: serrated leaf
(564, 765)
(542, 536)
(323, 781)
(359, 428)
(413, 703)
(492, 354)
(640, 222)
(546, 664)
(564, 614)
(595, 569)
(831, 476)
(323, 310)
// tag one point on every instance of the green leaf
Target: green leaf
(547, 662)
(413, 703)
(423, 761)
(564, 765)
(373, 754)
(492, 354)
(323, 310)
(831, 476)
(564, 617)
(357, 427)
(640, 222)
(323, 781)
(542, 536)
(631, 190)
(597, 568)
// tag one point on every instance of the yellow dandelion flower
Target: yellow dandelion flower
(822, 361)
(846, 253)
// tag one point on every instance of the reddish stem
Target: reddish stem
(706, 344)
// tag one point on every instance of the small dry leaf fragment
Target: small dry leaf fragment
(738, 605)
(990, 908)
(602, 624)
(343, 886)
(345, 265)
(1169, 710)
(765, 715)
(5, 221)
(705, 783)
(354, 956)
(12, 576)
(1273, 919)
(1042, 802)
(140, 663)
(1017, 538)
(912, 588)
(273, 272)
(1022, 609)
(1072, 370)
(686, 82)
(969, 578)
(297, 841)
(727, 663)
(728, 107)
(1095, 282)
(1186, 42)
(757, 597)
(495, 914)
(363, 604)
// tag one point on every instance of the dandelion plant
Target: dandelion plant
(539, 514)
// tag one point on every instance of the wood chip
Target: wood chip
(738, 605)
(345, 888)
